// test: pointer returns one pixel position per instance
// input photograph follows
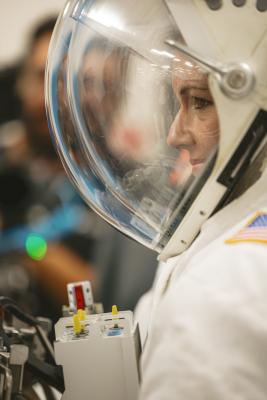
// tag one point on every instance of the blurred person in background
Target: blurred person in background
(37, 197)
(77, 244)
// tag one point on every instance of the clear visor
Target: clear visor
(133, 118)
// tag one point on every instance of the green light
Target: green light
(36, 247)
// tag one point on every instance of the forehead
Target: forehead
(39, 52)
(187, 72)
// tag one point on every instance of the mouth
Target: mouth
(196, 165)
(196, 162)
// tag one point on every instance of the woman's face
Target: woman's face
(195, 127)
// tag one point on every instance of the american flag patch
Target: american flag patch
(254, 231)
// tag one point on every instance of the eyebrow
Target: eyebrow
(185, 89)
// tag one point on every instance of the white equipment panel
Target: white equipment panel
(100, 356)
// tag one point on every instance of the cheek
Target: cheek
(206, 126)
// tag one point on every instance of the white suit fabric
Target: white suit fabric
(207, 314)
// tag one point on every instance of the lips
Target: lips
(196, 162)
(196, 166)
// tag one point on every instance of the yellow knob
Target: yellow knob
(81, 314)
(114, 310)
(77, 327)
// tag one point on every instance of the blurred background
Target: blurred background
(48, 236)
(17, 20)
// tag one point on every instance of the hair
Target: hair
(42, 28)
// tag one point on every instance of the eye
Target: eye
(200, 103)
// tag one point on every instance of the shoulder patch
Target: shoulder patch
(254, 231)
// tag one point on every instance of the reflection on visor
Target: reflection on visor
(137, 117)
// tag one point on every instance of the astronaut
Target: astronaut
(193, 106)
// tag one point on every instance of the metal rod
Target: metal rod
(185, 50)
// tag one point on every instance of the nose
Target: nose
(179, 134)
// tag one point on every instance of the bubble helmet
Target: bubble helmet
(157, 108)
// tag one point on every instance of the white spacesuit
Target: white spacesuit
(207, 327)
(159, 113)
